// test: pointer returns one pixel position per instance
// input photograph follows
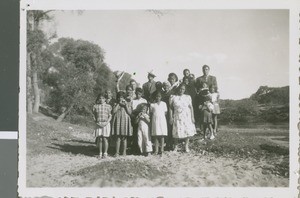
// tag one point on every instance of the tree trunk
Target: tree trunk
(63, 115)
(29, 98)
(36, 92)
(29, 85)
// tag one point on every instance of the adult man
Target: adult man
(211, 81)
(149, 87)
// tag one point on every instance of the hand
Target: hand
(200, 107)
(102, 124)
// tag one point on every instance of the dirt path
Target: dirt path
(73, 164)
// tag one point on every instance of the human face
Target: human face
(101, 100)
(121, 99)
(158, 98)
(138, 95)
(133, 84)
(205, 85)
(150, 77)
(212, 90)
(129, 91)
(108, 93)
(144, 109)
(186, 72)
(186, 81)
(205, 71)
(172, 80)
(181, 90)
(166, 87)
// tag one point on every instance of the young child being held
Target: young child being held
(102, 117)
(143, 132)
(159, 128)
(206, 108)
(121, 124)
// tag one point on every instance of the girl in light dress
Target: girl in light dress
(143, 132)
(102, 117)
(159, 128)
(216, 110)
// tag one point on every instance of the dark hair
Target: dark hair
(156, 93)
(185, 70)
(204, 66)
(100, 95)
(173, 75)
(121, 94)
(184, 78)
(139, 90)
(158, 85)
(128, 87)
(142, 105)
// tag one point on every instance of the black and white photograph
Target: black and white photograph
(160, 98)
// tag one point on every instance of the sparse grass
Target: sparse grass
(46, 136)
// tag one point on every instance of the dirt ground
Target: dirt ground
(64, 155)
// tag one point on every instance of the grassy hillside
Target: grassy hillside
(269, 105)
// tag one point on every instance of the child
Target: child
(143, 121)
(121, 125)
(206, 109)
(159, 128)
(136, 107)
(102, 116)
(109, 99)
(138, 98)
(216, 110)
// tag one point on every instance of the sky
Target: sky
(245, 49)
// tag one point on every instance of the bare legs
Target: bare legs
(159, 141)
(210, 128)
(187, 142)
(215, 119)
(102, 142)
(120, 139)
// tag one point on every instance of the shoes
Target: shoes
(116, 155)
(104, 155)
(212, 137)
(187, 150)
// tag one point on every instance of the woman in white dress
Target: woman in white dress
(182, 117)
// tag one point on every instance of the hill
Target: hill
(268, 104)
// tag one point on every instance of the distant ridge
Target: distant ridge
(271, 95)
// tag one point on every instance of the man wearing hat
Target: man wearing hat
(149, 87)
(211, 81)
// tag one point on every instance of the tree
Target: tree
(36, 42)
(79, 67)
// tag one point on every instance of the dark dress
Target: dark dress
(203, 116)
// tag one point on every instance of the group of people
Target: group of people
(157, 113)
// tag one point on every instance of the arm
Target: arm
(116, 108)
(192, 110)
(128, 109)
(94, 114)
(147, 118)
(170, 111)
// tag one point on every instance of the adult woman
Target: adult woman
(182, 117)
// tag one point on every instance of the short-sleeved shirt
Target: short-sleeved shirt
(102, 112)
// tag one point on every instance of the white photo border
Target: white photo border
(294, 34)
